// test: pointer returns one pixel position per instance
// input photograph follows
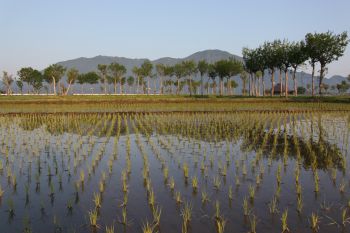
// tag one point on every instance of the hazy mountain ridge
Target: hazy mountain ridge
(90, 64)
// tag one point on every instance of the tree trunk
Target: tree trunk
(322, 70)
(312, 79)
(137, 85)
(69, 85)
(190, 86)
(244, 84)
(115, 86)
(154, 86)
(273, 82)
(202, 85)
(263, 86)
(54, 85)
(250, 84)
(286, 82)
(228, 92)
(295, 82)
(281, 86)
(221, 86)
(178, 87)
(105, 84)
(161, 85)
(253, 85)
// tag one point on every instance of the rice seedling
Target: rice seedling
(26, 223)
(300, 204)
(124, 219)
(1, 192)
(251, 191)
(257, 180)
(69, 206)
(202, 166)
(185, 170)
(14, 181)
(97, 200)
(224, 171)
(230, 193)
(178, 197)
(345, 217)
(217, 182)
(156, 212)
(125, 186)
(52, 191)
(194, 184)
(151, 198)
(82, 176)
(278, 175)
(165, 173)
(334, 175)
(252, 220)
(278, 192)
(125, 200)
(217, 209)
(238, 183)
(103, 176)
(244, 170)
(101, 187)
(245, 207)
(10, 208)
(314, 222)
(147, 228)
(220, 224)
(110, 229)
(342, 187)
(273, 206)
(205, 197)
(298, 189)
(172, 184)
(186, 213)
(284, 219)
(93, 217)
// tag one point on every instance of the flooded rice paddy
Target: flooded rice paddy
(175, 172)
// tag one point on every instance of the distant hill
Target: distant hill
(90, 64)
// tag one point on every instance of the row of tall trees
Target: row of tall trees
(178, 76)
(283, 56)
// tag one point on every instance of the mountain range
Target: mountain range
(90, 64)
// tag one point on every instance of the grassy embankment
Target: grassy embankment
(168, 103)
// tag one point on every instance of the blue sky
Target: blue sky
(40, 32)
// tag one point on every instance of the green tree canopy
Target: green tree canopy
(103, 69)
(326, 48)
(202, 68)
(116, 71)
(32, 77)
(53, 75)
(72, 76)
